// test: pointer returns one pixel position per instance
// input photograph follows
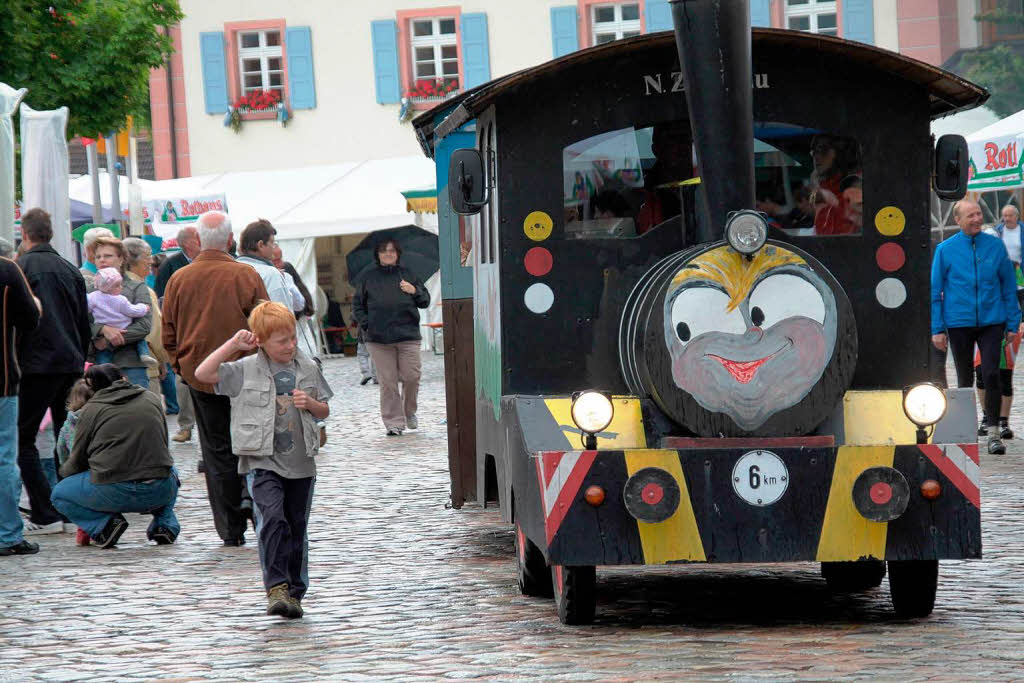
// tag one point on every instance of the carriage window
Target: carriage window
(625, 182)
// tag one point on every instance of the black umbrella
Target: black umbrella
(419, 252)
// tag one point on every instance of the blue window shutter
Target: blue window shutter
(761, 13)
(215, 74)
(859, 21)
(384, 34)
(301, 86)
(658, 16)
(564, 31)
(476, 55)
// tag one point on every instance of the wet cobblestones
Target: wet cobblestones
(403, 588)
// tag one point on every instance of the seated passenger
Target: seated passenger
(672, 145)
(835, 158)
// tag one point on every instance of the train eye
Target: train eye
(782, 296)
(700, 310)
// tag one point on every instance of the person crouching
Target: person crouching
(277, 395)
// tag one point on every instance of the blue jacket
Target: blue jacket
(973, 284)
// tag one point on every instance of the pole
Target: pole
(94, 176)
(115, 181)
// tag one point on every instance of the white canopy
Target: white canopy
(995, 153)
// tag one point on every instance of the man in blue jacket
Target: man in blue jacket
(974, 301)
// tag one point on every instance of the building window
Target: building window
(260, 61)
(435, 51)
(614, 22)
(814, 16)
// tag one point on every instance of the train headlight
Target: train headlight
(924, 404)
(746, 231)
(592, 411)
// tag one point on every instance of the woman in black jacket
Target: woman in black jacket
(385, 308)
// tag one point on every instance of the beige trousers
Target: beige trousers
(399, 362)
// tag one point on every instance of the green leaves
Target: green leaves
(1001, 71)
(93, 56)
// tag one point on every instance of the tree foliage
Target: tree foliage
(1000, 70)
(93, 56)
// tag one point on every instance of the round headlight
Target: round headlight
(924, 404)
(746, 231)
(592, 411)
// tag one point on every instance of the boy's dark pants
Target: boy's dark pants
(282, 508)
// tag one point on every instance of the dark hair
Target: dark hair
(101, 376)
(258, 231)
(36, 225)
(850, 181)
(847, 160)
(611, 201)
(380, 247)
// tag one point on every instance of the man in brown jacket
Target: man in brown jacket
(204, 305)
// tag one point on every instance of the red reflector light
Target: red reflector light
(930, 489)
(594, 495)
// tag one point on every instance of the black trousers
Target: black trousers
(225, 487)
(989, 340)
(282, 516)
(35, 395)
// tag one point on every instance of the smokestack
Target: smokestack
(713, 40)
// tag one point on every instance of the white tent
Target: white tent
(995, 153)
(306, 203)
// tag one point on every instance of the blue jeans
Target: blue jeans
(91, 506)
(169, 388)
(10, 476)
(136, 376)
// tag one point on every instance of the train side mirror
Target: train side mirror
(467, 182)
(951, 165)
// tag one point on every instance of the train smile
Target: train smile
(744, 371)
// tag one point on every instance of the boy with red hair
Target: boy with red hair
(277, 397)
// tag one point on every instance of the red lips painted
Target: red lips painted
(743, 371)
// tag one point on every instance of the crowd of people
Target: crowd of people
(97, 347)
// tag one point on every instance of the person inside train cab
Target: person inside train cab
(672, 145)
(835, 159)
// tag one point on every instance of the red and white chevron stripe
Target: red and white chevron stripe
(960, 464)
(560, 475)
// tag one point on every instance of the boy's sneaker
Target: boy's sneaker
(81, 537)
(394, 432)
(983, 427)
(995, 446)
(162, 536)
(148, 360)
(111, 532)
(33, 529)
(294, 608)
(278, 601)
(1004, 429)
(22, 548)
(411, 422)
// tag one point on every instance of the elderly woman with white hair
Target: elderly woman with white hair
(138, 256)
(89, 238)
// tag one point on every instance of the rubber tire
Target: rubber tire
(532, 570)
(576, 595)
(853, 577)
(912, 585)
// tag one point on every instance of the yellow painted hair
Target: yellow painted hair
(733, 272)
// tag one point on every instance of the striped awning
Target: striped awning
(421, 201)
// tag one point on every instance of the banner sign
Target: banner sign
(168, 216)
(995, 164)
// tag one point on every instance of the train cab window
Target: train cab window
(625, 182)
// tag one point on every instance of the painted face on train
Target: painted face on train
(749, 338)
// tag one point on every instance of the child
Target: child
(79, 395)
(109, 307)
(277, 396)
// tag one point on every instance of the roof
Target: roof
(948, 93)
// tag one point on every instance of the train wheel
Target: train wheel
(534, 577)
(853, 577)
(912, 584)
(575, 593)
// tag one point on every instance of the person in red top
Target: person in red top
(836, 168)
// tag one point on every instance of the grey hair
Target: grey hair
(92, 234)
(135, 250)
(186, 233)
(214, 230)
(6, 248)
(1011, 206)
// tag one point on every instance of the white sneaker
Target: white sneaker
(33, 529)
(148, 360)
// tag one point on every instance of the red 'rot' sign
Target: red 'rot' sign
(996, 159)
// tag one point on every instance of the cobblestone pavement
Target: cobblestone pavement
(403, 588)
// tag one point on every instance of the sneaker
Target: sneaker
(394, 432)
(82, 537)
(33, 529)
(983, 427)
(364, 380)
(995, 446)
(411, 422)
(1004, 429)
(294, 608)
(111, 532)
(278, 601)
(148, 360)
(201, 466)
(162, 536)
(22, 548)
(182, 436)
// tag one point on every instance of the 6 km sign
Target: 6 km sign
(760, 478)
